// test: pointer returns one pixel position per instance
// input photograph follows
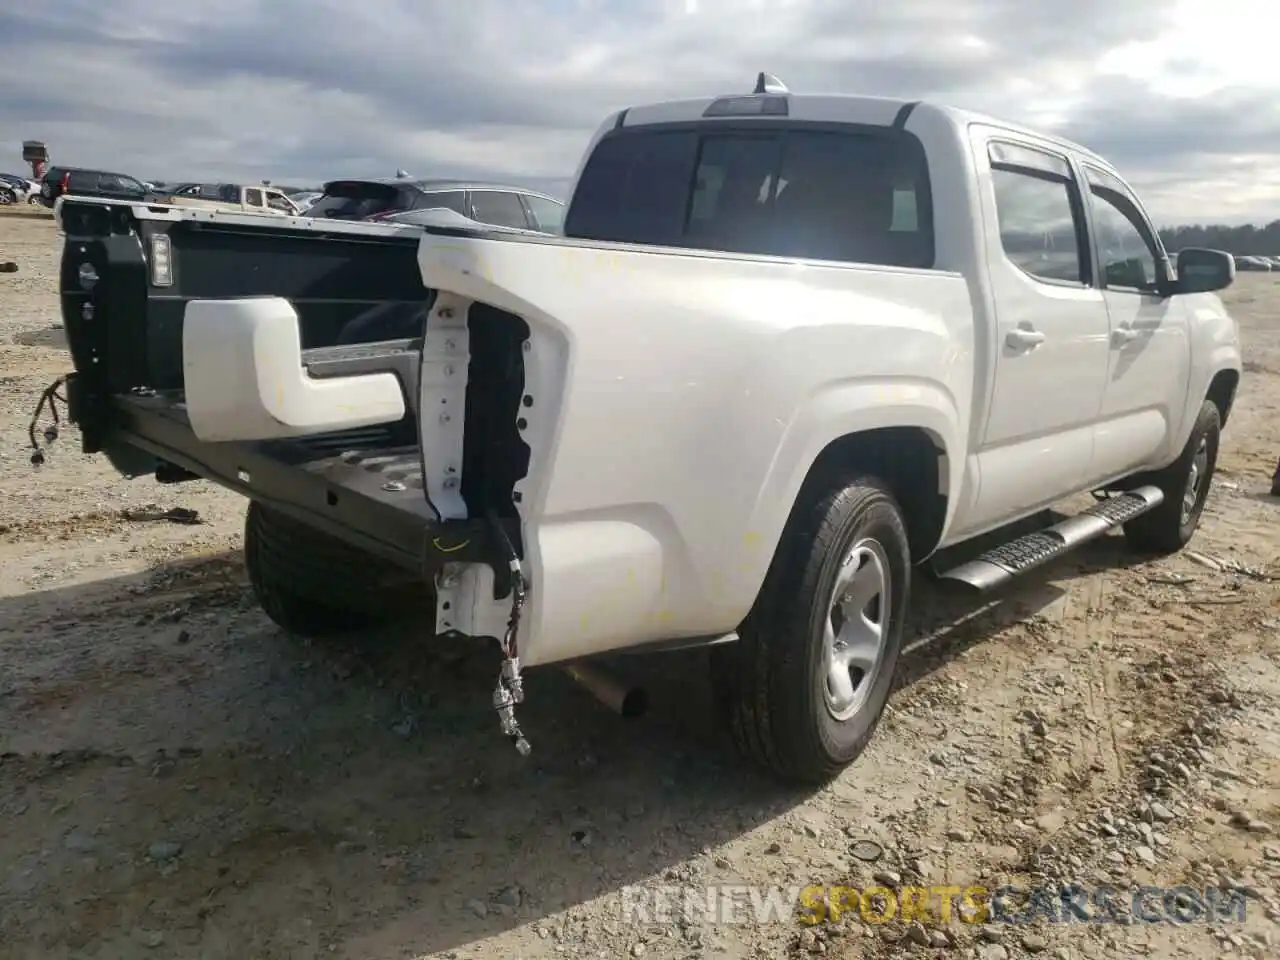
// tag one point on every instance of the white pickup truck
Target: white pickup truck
(237, 198)
(788, 349)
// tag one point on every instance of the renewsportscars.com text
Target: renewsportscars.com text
(941, 903)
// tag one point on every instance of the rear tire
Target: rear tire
(311, 584)
(7, 197)
(1185, 484)
(783, 683)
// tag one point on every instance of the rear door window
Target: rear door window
(115, 183)
(836, 195)
(84, 180)
(548, 215)
(252, 197)
(455, 200)
(499, 207)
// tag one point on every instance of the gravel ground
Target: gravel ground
(179, 779)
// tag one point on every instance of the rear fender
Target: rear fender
(841, 410)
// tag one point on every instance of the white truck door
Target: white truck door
(1149, 366)
(1050, 350)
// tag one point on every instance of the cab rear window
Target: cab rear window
(855, 195)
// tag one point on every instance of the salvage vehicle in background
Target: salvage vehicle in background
(305, 198)
(786, 351)
(16, 189)
(235, 197)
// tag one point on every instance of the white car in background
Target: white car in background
(16, 189)
(305, 198)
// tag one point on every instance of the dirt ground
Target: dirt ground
(180, 779)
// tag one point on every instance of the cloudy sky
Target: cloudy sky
(1183, 95)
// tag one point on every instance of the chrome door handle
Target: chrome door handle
(1020, 337)
(1123, 335)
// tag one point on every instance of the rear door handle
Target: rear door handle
(1022, 337)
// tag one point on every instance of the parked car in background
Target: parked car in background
(182, 189)
(305, 198)
(16, 189)
(240, 198)
(389, 198)
(92, 183)
(1252, 263)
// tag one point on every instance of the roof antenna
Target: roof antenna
(768, 83)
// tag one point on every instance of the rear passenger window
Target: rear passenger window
(454, 200)
(253, 198)
(499, 208)
(1038, 208)
(548, 215)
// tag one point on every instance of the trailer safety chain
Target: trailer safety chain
(49, 397)
(510, 688)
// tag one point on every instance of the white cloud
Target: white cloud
(1184, 97)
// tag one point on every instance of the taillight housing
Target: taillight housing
(161, 261)
(65, 183)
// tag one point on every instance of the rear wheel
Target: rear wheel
(1185, 484)
(807, 682)
(313, 585)
(7, 197)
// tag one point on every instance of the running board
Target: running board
(1026, 553)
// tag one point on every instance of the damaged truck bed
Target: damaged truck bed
(354, 291)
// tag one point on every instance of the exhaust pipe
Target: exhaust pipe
(626, 701)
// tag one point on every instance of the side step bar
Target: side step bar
(1026, 553)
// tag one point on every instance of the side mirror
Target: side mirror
(1204, 271)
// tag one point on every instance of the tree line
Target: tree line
(1241, 240)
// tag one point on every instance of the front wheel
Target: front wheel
(7, 197)
(807, 682)
(1185, 484)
